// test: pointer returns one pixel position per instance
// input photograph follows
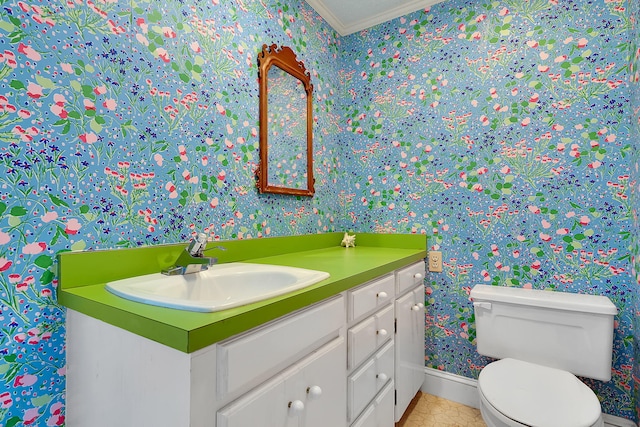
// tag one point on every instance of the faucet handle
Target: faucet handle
(197, 245)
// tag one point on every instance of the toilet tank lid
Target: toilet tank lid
(596, 304)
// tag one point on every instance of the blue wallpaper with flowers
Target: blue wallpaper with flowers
(634, 193)
(505, 132)
(126, 123)
(508, 132)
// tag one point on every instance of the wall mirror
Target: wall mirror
(286, 123)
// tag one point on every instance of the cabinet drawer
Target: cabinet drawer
(370, 297)
(368, 335)
(380, 412)
(253, 355)
(409, 277)
(369, 379)
(311, 391)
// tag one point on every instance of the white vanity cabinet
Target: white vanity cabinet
(339, 363)
(385, 347)
(291, 370)
(409, 338)
(311, 393)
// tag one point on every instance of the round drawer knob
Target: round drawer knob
(296, 406)
(382, 377)
(418, 276)
(415, 307)
(314, 391)
(421, 305)
(382, 294)
(382, 332)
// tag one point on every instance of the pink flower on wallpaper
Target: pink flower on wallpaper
(100, 90)
(25, 380)
(163, 54)
(140, 22)
(4, 238)
(66, 67)
(34, 90)
(56, 418)
(171, 189)
(58, 110)
(5, 400)
(89, 105)
(594, 165)
(4, 264)
(34, 248)
(49, 216)
(115, 28)
(142, 39)
(214, 202)
(30, 416)
(88, 138)
(72, 226)
(110, 104)
(29, 52)
(169, 33)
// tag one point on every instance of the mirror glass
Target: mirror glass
(286, 148)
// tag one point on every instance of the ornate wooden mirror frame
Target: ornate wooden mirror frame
(287, 179)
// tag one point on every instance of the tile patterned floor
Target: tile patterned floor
(432, 411)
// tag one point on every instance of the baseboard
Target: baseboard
(451, 387)
(465, 391)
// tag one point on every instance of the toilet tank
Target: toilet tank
(568, 331)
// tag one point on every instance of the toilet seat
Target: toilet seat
(535, 395)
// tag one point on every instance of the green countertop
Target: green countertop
(83, 276)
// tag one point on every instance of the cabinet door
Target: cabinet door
(409, 345)
(321, 386)
(380, 412)
(311, 393)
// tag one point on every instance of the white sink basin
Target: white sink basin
(220, 287)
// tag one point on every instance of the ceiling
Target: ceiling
(349, 16)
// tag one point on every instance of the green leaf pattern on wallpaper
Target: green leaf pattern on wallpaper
(501, 130)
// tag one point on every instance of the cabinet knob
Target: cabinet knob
(382, 294)
(418, 276)
(416, 307)
(382, 332)
(421, 305)
(314, 391)
(382, 377)
(296, 406)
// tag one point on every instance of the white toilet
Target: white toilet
(542, 339)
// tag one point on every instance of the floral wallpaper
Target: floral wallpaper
(503, 131)
(126, 123)
(507, 132)
(634, 78)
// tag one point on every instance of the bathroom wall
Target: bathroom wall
(634, 13)
(135, 123)
(502, 130)
(127, 123)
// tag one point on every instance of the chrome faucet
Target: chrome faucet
(192, 259)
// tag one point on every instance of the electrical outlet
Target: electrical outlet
(435, 261)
